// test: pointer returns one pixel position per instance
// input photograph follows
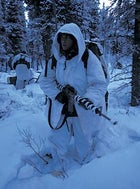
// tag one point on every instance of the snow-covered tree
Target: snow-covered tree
(135, 97)
(120, 29)
(3, 39)
(93, 19)
(104, 30)
(15, 26)
(40, 27)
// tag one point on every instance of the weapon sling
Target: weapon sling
(49, 117)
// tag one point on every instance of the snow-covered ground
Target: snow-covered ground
(119, 145)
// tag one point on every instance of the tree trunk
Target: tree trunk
(135, 95)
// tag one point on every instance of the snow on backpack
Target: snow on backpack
(21, 59)
(96, 50)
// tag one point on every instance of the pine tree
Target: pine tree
(3, 58)
(135, 97)
(65, 9)
(34, 29)
(104, 29)
(15, 26)
(94, 19)
(41, 26)
(120, 29)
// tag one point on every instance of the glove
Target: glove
(61, 97)
(66, 96)
(69, 91)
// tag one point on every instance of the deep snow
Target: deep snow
(119, 145)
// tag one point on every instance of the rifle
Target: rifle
(88, 105)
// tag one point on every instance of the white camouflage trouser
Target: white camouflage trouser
(20, 84)
(69, 140)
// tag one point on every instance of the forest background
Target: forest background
(29, 26)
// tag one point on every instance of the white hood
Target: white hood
(74, 30)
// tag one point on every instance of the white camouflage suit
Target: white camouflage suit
(89, 83)
(23, 73)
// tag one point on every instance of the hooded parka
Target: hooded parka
(21, 64)
(76, 136)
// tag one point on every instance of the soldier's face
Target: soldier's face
(66, 42)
